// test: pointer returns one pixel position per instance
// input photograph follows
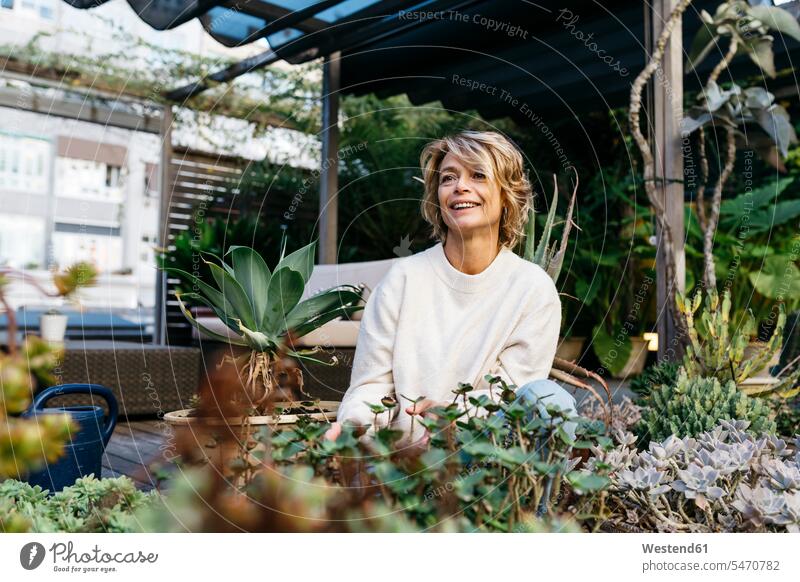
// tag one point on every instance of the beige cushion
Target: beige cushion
(334, 334)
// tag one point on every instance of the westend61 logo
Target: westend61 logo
(66, 559)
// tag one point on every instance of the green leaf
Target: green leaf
(218, 312)
(302, 261)
(324, 318)
(584, 482)
(778, 279)
(777, 19)
(212, 334)
(285, 289)
(613, 352)
(252, 272)
(217, 298)
(233, 293)
(321, 303)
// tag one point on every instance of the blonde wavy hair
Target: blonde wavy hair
(502, 162)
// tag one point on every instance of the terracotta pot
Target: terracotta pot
(570, 348)
(636, 361)
(218, 439)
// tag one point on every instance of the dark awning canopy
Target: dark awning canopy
(499, 57)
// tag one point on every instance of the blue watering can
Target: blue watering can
(83, 452)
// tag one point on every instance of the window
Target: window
(100, 246)
(88, 180)
(22, 241)
(9, 4)
(112, 176)
(23, 164)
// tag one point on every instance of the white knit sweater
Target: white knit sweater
(427, 326)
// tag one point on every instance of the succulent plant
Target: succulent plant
(263, 308)
(717, 344)
(695, 405)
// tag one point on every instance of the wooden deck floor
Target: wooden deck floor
(135, 449)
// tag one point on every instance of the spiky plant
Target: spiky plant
(549, 255)
(262, 308)
(74, 277)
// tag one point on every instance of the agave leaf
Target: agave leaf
(321, 303)
(207, 255)
(530, 233)
(257, 340)
(301, 260)
(252, 272)
(233, 292)
(311, 325)
(217, 298)
(541, 249)
(218, 312)
(303, 355)
(285, 289)
(212, 334)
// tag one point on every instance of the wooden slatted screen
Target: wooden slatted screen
(209, 182)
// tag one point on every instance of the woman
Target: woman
(468, 306)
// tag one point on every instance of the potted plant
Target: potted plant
(53, 323)
(262, 309)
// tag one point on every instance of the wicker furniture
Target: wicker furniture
(146, 379)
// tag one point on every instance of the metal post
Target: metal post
(165, 191)
(329, 175)
(667, 114)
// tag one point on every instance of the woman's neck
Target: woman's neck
(473, 255)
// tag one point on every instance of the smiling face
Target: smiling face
(470, 200)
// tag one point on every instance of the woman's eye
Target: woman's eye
(446, 178)
(479, 175)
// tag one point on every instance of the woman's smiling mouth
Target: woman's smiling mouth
(463, 205)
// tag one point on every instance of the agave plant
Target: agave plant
(549, 255)
(263, 309)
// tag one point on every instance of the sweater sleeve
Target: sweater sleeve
(372, 376)
(532, 346)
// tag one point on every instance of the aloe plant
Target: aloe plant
(549, 255)
(263, 308)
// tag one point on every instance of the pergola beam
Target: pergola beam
(667, 139)
(329, 175)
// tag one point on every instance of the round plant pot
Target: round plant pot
(53, 327)
(635, 364)
(218, 439)
(752, 350)
(570, 348)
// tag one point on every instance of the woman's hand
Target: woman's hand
(333, 432)
(422, 407)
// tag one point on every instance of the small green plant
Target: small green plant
(717, 346)
(90, 505)
(26, 444)
(695, 404)
(495, 466)
(664, 373)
